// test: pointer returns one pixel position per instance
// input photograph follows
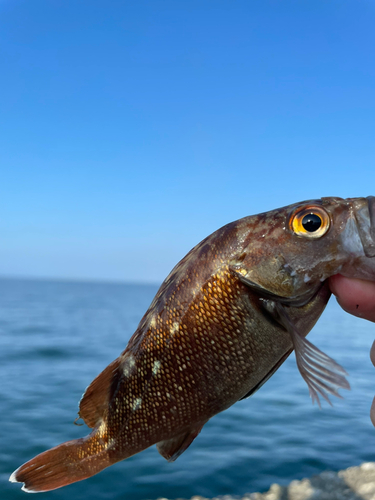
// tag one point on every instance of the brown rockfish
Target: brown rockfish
(221, 324)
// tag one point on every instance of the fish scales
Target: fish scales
(195, 344)
(223, 321)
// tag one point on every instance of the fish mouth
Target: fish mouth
(365, 216)
(371, 209)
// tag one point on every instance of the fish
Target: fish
(223, 321)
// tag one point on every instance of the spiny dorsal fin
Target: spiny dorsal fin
(95, 400)
(172, 448)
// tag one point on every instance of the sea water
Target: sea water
(55, 337)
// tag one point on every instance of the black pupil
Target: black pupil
(311, 222)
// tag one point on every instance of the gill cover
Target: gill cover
(286, 244)
(365, 218)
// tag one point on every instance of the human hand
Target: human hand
(356, 297)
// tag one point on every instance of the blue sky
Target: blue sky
(130, 130)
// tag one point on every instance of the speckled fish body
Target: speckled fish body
(223, 321)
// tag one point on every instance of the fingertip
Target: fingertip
(355, 296)
(342, 288)
(335, 284)
(372, 412)
(372, 353)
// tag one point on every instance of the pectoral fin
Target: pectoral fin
(172, 448)
(321, 373)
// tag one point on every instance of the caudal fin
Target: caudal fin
(65, 464)
(81, 458)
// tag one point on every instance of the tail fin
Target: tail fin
(65, 464)
(81, 458)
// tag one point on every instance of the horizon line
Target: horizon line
(109, 281)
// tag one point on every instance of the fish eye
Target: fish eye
(311, 222)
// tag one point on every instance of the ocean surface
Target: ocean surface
(55, 337)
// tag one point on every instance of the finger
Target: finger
(355, 296)
(372, 353)
(372, 412)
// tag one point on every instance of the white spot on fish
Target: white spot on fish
(111, 443)
(289, 270)
(102, 429)
(128, 365)
(153, 322)
(137, 404)
(306, 278)
(156, 367)
(175, 328)
(242, 271)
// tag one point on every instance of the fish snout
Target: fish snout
(371, 208)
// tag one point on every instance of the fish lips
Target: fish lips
(365, 217)
(371, 208)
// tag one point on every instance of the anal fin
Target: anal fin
(172, 448)
(95, 400)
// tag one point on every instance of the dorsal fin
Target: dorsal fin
(172, 448)
(97, 396)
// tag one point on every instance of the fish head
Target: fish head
(288, 253)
